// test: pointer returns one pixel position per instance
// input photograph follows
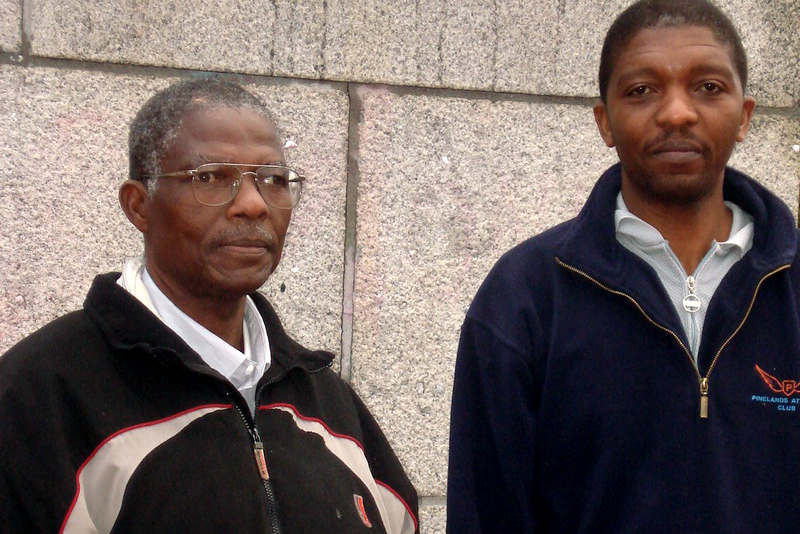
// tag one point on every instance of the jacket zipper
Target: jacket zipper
(702, 380)
(261, 462)
(258, 449)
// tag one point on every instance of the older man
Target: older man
(174, 401)
(634, 369)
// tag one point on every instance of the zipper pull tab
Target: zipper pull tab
(691, 302)
(704, 398)
(261, 459)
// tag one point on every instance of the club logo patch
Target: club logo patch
(362, 511)
(786, 388)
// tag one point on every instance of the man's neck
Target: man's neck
(689, 229)
(223, 316)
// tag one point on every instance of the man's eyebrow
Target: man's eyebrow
(199, 159)
(642, 72)
(709, 68)
(697, 70)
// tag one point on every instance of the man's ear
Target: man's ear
(747, 112)
(133, 198)
(601, 118)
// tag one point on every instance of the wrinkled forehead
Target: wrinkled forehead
(222, 133)
(209, 111)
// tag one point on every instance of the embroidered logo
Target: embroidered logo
(784, 401)
(362, 511)
(787, 387)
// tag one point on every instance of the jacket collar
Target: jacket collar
(591, 246)
(128, 324)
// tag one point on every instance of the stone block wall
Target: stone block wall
(436, 134)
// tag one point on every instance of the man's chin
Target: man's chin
(240, 282)
(675, 188)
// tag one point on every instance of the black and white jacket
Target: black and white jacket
(109, 422)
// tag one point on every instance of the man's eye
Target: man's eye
(206, 177)
(277, 180)
(710, 87)
(639, 90)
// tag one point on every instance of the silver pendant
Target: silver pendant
(691, 303)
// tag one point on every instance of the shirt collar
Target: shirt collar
(218, 354)
(627, 224)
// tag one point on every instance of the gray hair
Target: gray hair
(156, 124)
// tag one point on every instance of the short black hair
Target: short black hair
(157, 122)
(646, 14)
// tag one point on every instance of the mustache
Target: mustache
(243, 231)
(676, 140)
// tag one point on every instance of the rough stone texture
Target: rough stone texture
(58, 208)
(767, 155)
(771, 36)
(529, 46)
(60, 223)
(446, 186)
(10, 25)
(204, 35)
(432, 519)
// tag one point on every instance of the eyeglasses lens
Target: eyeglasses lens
(215, 185)
(279, 186)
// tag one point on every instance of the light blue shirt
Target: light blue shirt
(646, 242)
(242, 369)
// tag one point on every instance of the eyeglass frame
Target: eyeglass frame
(194, 173)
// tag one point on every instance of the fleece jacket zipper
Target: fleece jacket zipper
(702, 380)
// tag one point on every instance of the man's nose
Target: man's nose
(677, 109)
(248, 201)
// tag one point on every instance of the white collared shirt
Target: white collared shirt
(242, 369)
(646, 242)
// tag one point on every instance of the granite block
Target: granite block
(11, 26)
(768, 154)
(769, 31)
(202, 35)
(60, 223)
(446, 186)
(432, 519)
(529, 46)
(371, 41)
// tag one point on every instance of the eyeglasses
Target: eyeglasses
(216, 184)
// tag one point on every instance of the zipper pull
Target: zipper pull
(261, 459)
(704, 398)
(691, 302)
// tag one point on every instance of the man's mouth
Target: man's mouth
(248, 245)
(677, 151)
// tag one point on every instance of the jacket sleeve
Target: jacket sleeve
(492, 436)
(399, 496)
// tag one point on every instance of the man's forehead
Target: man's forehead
(659, 39)
(213, 122)
(222, 134)
(207, 112)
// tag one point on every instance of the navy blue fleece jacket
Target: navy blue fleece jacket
(576, 405)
